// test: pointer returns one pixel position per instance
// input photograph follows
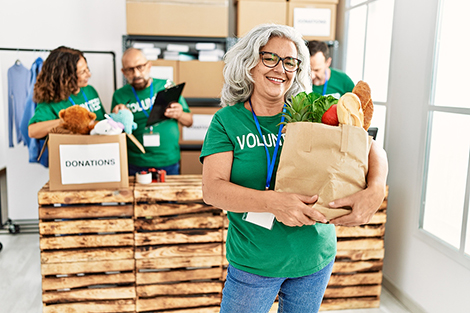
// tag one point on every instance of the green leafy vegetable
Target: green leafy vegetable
(305, 107)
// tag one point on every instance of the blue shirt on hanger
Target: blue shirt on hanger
(34, 145)
(19, 79)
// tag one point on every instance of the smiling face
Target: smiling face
(271, 84)
(83, 73)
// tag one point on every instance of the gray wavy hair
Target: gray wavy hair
(244, 56)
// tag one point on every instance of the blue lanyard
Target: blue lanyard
(138, 100)
(86, 100)
(326, 83)
(270, 167)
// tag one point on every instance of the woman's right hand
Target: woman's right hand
(120, 107)
(294, 210)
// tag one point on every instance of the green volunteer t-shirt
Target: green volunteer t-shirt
(168, 150)
(50, 111)
(282, 251)
(338, 84)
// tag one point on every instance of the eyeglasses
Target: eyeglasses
(140, 68)
(85, 71)
(271, 60)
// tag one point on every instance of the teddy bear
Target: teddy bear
(75, 120)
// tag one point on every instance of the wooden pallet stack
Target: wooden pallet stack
(179, 248)
(357, 273)
(356, 279)
(159, 248)
(87, 250)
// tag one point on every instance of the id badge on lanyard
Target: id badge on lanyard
(151, 139)
(265, 219)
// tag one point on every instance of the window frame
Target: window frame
(459, 255)
(381, 104)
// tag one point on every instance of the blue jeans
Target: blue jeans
(173, 169)
(249, 293)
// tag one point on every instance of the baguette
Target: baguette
(362, 90)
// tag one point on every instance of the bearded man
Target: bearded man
(162, 150)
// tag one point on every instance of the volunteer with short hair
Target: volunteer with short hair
(161, 141)
(291, 255)
(325, 79)
(62, 82)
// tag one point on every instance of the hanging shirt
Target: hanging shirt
(19, 78)
(34, 145)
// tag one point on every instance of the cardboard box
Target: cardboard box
(190, 164)
(251, 13)
(165, 69)
(202, 117)
(78, 162)
(203, 79)
(193, 18)
(316, 20)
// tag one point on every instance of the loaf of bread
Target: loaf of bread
(349, 110)
(362, 90)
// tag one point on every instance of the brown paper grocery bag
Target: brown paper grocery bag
(328, 161)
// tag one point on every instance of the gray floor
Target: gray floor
(20, 279)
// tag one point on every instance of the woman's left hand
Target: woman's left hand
(175, 110)
(364, 204)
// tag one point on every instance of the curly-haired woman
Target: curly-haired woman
(62, 82)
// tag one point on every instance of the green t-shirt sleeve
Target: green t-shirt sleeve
(349, 84)
(44, 112)
(114, 101)
(184, 104)
(216, 140)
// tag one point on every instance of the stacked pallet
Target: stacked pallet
(87, 250)
(357, 273)
(356, 279)
(159, 248)
(179, 247)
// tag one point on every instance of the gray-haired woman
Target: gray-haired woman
(274, 245)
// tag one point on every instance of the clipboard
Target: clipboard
(163, 99)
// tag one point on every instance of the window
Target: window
(367, 49)
(445, 199)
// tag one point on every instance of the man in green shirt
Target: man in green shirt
(326, 80)
(160, 140)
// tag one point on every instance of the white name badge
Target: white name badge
(152, 140)
(263, 219)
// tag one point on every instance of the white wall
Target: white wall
(419, 272)
(47, 24)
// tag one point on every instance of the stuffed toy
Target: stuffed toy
(115, 123)
(76, 120)
(126, 118)
(107, 127)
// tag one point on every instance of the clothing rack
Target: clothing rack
(84, 52)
